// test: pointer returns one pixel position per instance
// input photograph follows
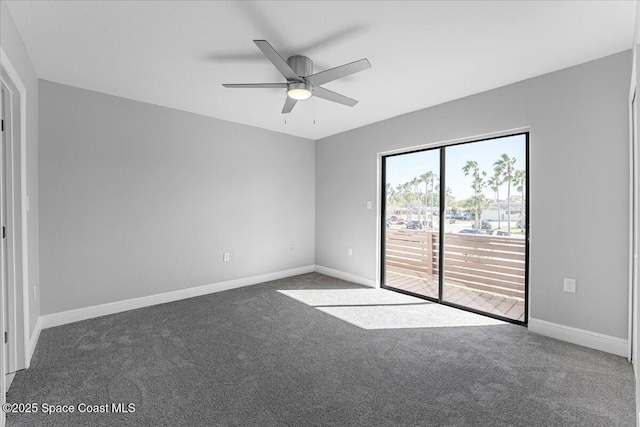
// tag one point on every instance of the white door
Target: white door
(3, 258)
(634, 231)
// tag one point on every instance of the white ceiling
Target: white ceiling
(178, 53)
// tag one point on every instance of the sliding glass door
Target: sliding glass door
(469, 203)
(412, 223)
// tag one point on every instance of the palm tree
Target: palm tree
(471, 167)
(428, 178)
(504, 168)
(390, 193)
(433, 205)
(398, 196)
(433, 194)
(415, 182)
(494, 183)
(519, 181)
(450, 200)
(407, 198)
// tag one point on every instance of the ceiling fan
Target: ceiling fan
(301, 82)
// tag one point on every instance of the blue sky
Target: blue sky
(404, 168)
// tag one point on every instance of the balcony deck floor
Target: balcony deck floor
(500, 305)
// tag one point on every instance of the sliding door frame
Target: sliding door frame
(442, 209)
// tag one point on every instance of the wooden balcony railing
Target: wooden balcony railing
(485, 263)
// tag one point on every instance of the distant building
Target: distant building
(499, 212)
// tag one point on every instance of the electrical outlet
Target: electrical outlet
(569, 285)
(35, 290)
(226, 257)
(368, 204)
(349, 251)
(291, 247)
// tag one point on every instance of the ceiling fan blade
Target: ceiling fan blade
(256, 85)
(289, 103)
(338, 72)
(277, 60)
(323, 93)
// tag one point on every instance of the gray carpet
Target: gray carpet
(317, 355)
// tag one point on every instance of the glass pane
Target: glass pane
(484, 244)
(412, 222)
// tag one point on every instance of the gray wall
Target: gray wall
(579, 185)
(12, 45)
(137, 199)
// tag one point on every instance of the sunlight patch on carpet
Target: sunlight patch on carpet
(382, 309)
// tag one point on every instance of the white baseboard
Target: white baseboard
(9, 380)
(34, 340)
(582, 337)
(345, 276)
(65, 317)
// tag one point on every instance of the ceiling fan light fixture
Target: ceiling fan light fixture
(299, 91)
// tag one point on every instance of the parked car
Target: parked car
(458, 216)
(486, 225)
(470, 231)
(414, 225)
(388, 222)
(400, 221)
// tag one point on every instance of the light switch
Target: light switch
(569, 285)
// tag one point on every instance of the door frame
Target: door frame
(18, 301)
(632, 338)
(3, 384)
(381, 216)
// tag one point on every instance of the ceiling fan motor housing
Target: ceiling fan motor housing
(302, 65)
